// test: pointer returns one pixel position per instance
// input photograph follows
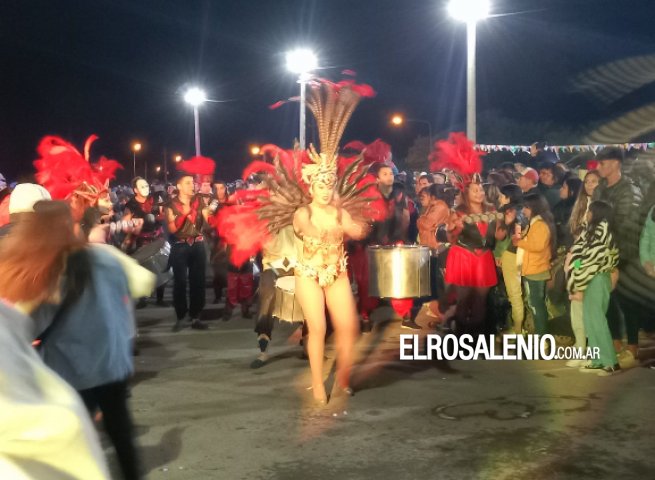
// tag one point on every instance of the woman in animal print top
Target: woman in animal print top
(590, 262)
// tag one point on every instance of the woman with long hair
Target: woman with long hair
(32, 262)
(576, 225)
(581, 205)
(568, 193)
(87, 336)
(470, 265)
(322, 278)
(538, 244)
(590, 263)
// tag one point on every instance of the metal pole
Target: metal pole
(196, 120)
(165, 166)
(145, 169)
(470, 82)
(133, 163)
(301, 136)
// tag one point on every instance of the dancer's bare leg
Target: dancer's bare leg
(312, 302)
(343, 312)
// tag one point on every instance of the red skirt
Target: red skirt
(470, 269)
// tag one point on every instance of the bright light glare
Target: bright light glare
(194, 96)
(136, 147)
(469, 11)
(178, 158)
(255, 150)
(397, 120)
(301, 61)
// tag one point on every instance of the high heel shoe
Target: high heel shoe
(318, 401)
(348, 391)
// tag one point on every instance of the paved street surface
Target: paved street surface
(203, 413)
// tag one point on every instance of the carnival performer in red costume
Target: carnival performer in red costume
(69, 175)
(470, 266)
(142, 206)
(186, 215)
(331, 201)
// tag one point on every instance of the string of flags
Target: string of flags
(566, 148)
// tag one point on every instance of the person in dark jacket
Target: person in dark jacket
(634, 296)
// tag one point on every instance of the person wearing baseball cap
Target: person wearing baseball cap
(21, 201)
(528, 181)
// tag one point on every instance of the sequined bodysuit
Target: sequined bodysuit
(322, 257)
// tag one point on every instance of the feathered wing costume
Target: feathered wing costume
(248, 226)
(69, 175)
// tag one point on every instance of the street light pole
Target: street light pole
(471, 131)
(136, 147)
(302, 62)
(303, 95)
(196, 97)
(196, 121)
(470, 12)
(399, 120)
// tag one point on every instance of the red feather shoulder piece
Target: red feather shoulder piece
(62, 169)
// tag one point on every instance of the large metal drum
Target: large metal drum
(401, 271)
(154, 257)
(286, 307)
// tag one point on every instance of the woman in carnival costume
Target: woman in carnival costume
(326, 198)
(470, 266)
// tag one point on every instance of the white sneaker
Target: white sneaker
(576, 363)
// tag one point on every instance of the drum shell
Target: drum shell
(401, 271)
(286, 307)
(155, 257)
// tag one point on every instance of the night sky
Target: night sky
(118, 69)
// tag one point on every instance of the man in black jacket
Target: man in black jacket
(635, 293)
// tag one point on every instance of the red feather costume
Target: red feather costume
(68, 175)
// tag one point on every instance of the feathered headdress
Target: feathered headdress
(202, 168)
(458, 154)
(63, 171)
(332, 105)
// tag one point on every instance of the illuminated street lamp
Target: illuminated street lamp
(158, 169)
(255, 150)
(302, 62)
(470, 12)
(196, 97)
(397, 120)
(178, 158)
(136, 147)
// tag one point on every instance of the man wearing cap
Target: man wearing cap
(635, 293)
(21, 202)
(528, 181)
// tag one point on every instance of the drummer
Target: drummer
(142, 205)
(391, 231)
(279, 259)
